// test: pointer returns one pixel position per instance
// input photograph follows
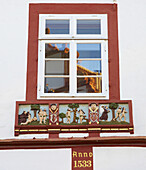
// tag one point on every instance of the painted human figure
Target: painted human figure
(68, 115)
(93, 111)
(118, 114)
(42, 116)
(23, 117)
(53, 113)
(101, 109)
(105, 112)
(29, 119)
(81, 114)
(123, 114)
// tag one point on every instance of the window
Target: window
(73, 56)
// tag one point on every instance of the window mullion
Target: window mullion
(73, 27)
(73, 68)
(73, 38)
(43, 51)
(104, 67)
(41, 68)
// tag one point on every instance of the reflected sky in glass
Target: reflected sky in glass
(89, 50)
(57, 26)
(89, 67)
(88, 27)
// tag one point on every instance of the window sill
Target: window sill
(73, 97)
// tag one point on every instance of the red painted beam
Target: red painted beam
(72, 142)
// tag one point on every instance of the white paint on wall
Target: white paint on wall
(60, 159)
(119, 158)
(75, 135)
(52, 159)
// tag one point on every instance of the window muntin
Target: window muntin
(56, 68)
(79, 54)
(67, 73)
(89, 59)
(89, 64)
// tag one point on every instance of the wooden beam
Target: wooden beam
(133, 141)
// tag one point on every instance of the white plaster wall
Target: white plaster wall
(119, 158)
(13, 62)
(52, 159)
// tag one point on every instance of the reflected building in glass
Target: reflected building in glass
(56, 68)
(89, 69)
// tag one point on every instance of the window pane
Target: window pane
(88, 27)
(57, 26)
(56, 85)
(57, 50)
(56, 67)
(88, 51)
(89, 85)
(89, 67)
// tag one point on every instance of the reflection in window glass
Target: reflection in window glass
(88, 27)
(57, 68)
(88, 51)
(57, 50)
(56, 85)
(89, 85)
(89, 67)
(57, 27)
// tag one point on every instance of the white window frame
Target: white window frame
(73, 26)
(72, 39)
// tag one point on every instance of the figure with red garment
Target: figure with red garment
(105, 112)
(23, 117)
(53, 114)
(93, 113)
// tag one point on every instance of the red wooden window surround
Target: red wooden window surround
(113, 53)
(32, 61)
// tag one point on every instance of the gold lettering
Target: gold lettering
(74, 154)
(90, 154)
(80, 164)
(75, 164)
(84, 163)
(85, 154)
(80, 154)
(89, 163)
